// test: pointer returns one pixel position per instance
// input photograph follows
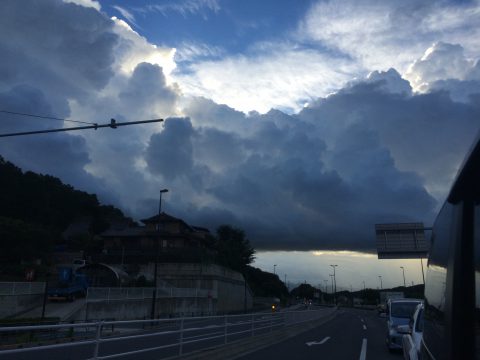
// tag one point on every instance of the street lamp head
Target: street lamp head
(164, 190)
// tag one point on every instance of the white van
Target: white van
(399, 312)
(413, 335)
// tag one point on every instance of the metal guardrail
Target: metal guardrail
(22, 288)
(107, 294)
(181, 331)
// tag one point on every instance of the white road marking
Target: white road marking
(363, 352)
(364, 327)
(361, 320)
(325, 340)
(310, 343)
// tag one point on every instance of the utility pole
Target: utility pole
(423, 274)
(274, 271)
(335, 281)
(113, 125)
(245, 292)
(45, 295)
(331, 275)
(403, 270)
(157, 245)
(364, 292)
(381, 283)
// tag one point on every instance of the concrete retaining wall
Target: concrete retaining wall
(11, 305)
(141, 309)
(229, 284)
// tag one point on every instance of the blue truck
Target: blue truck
(69, 285)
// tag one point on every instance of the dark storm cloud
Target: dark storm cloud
(319, 179)
(64, 49)
(324, 177)
(52, 52)
(146, 86)
(375, 151)
(62, 155)
(170, 152)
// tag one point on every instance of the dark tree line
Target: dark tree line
(36, 209)
(233, 248)
(234, 251)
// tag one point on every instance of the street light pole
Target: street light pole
(331, 275)
(154, 297)
(45, 295)
(326, 286)
(381, 283)
(335, 281)
(364, 292)
(403, 271)
(274, 266)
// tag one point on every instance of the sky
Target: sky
(302, 122)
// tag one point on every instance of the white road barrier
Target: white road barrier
(186, 331)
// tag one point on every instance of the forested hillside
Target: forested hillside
(36, 209)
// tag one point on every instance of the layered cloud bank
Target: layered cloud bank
(381, 148)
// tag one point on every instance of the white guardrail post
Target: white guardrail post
(253, 325)
(225, 329)
(180, 349)
(97, 340)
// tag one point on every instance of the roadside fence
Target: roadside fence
(21, 288)
(160, 338)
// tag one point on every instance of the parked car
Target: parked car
(399, 312)
(412, 337)
(452, 311)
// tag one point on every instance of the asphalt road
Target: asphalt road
(352, 334)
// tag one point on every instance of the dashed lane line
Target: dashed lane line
(325, 340)
(363, 352)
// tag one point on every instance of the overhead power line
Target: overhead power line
(44, 117)
(113, 124)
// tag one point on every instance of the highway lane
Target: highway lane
(352, 334)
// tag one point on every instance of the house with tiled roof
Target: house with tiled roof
(163, 237)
